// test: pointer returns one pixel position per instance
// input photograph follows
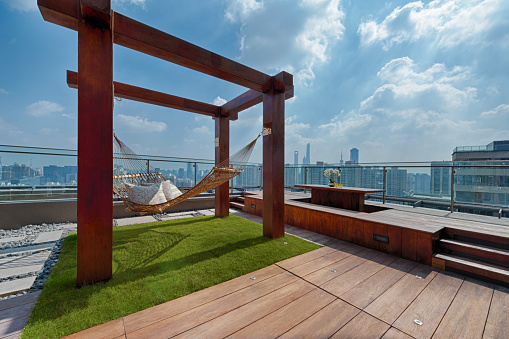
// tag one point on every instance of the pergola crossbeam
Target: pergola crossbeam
(244, 101)
(143, 38)
(148, 96)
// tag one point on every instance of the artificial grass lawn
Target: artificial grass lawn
(154, 263)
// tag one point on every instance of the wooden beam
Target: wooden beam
(244, 101)
(273, 163)
(222, 146)
(95, 135)
(140, 37)
(152, 97)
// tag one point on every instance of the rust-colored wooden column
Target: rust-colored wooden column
(273, 163)
(95, 137)
(222, 145)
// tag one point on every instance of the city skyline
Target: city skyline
(439, 79)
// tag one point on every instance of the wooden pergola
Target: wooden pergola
(98, 29)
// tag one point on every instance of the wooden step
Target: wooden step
(490, 254)
(236, 205)
(474, 267)
(241, 199)
(482, 238)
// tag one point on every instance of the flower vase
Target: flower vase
(331, 184)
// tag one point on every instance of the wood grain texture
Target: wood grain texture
(350, 279)
(222, 153)
(325, 322)
(396, 299)
(497, 324)
(430, 306)
(95, 154)
(237, 319)
(336, 269)
(364, 293)
(466, 317)
(393, 333)
(371, 327)
(110, 329)
(171, 308)
(182, 322)
(273, 165)
(286, 317)
(408, 244)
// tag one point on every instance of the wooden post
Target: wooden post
(273, 163)
(222, 146)
(95, 137)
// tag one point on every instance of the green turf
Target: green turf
(154, 263)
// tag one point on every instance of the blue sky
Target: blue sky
(399, 80)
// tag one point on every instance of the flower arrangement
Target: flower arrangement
(329, 173)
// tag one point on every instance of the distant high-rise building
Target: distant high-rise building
(354, 155)
(441, 178)
(295, 157)
(307, 159)
(0, 168)
(181, 173)
(341, 162)
(190, 172)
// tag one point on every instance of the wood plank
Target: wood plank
(235, 320)
(222, 153)
(182, 322)
(497, 325)
(393, 333)
(334, 270)
(95, 154)
(424, 247)
(325, 322)
(323, 261)
(110, 329)
(408, 244)
(370, 289)
(430, 306)
(140, 94)
(368, 231)
(396, 299)
(171, 308)
(381, 229)
(273, 164)
(468, 312)
(371, 327)
(350, 279)
(244, 101)
(288, 316)
(304, 258)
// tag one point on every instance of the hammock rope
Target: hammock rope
(131, 168)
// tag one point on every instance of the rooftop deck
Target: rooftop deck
(340, 290)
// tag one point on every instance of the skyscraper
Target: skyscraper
(295, 157)
(307, 159)
(354, 155)
(341, 162)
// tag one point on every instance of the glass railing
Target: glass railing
(30, 173)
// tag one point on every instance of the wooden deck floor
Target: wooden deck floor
(341, 290)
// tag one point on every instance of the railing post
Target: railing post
(148, 166)
(452, 189)
(195, 170)
(383, 184)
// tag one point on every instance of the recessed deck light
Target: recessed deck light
(418, 322)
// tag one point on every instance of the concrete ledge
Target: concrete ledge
(17, 214)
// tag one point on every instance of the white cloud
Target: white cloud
(68, 116)
(23, 5)
(202, 130)
(140, 124)
(501, 110)
(43, 108)
(239, 9)
(436, 88)
(3, 91)
(140, 3)
(48, 131)
(448, 22)
(279, 35)
(339, 126)
(9, 130)
(219, 101)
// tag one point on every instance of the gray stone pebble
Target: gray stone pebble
(29, 234)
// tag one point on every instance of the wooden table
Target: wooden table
(349, 198)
